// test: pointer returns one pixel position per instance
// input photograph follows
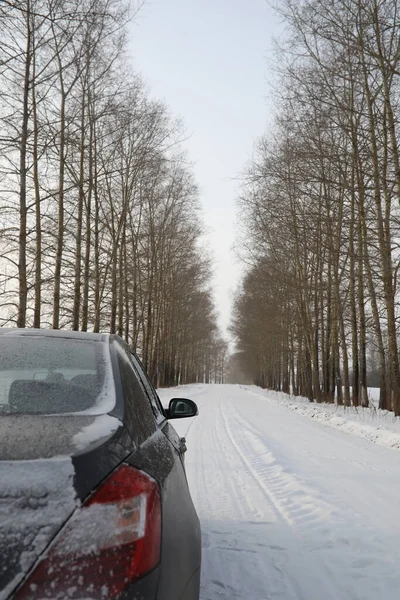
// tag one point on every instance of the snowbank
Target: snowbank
(378, 426)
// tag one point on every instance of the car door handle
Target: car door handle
(182, 446)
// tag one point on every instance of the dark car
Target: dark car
(94, 501)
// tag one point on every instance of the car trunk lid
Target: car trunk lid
(44, 461)
(36, 498)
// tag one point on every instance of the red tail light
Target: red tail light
(114, 539)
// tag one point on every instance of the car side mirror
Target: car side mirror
(180, 408)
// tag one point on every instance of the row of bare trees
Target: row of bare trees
(99, 215)
(319, 304)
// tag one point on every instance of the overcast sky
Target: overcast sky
(208, 59)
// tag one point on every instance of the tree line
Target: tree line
(318, 311)
(99, 212)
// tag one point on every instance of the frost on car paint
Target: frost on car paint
(101, 427)
(102, 526)
(36, 498)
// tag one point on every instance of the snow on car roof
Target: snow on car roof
(60, 333)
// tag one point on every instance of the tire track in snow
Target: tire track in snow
(240, 558)
(294, 506)
(215, 497)
(289, 588)
(296, 501)
(279, 510)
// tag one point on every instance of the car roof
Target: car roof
(58, 333)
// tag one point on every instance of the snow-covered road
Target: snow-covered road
(290, 509)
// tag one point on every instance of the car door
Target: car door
(159, 457)
(178, 442)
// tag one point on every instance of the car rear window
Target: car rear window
(49, 375)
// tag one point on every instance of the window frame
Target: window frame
(155, 402)
(140, 436)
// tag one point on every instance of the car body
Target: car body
(94, 501)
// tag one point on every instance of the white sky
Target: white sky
(209, 61)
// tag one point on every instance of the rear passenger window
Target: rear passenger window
(151, 392)
(139, 416)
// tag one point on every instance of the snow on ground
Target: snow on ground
(290, 509)
(379, 426)
(373, 396)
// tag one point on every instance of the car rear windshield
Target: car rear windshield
(50, 375)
